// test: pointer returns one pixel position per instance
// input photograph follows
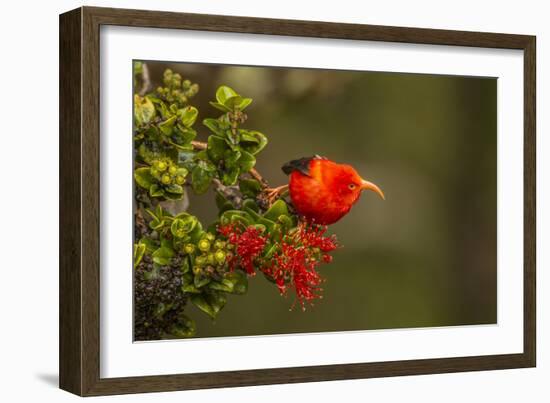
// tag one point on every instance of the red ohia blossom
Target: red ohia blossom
(248, 243)
(292, 264)
(295, 263)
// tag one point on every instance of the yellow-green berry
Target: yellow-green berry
(210, 237)
(180, 180)
(189, 248)
(166, 179)
(219, 244)
(219, 256)
(161, 166)
(172, 170)
(200, 261)
(204, 245)
(210, 258)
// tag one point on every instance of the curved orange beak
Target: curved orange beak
(366, 185)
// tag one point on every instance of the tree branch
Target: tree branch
(146, 80)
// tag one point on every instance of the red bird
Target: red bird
(323, 191)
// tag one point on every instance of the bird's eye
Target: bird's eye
(351, 186)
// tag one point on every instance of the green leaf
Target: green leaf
(167, 126)
(251, 204)
(156, 191)
(147, 154)
(214, 126)
(211, 303)
(150, 245)
(220, 107)
(174, 189)
(220, 200)
(247, 137)
(163, 255)
(139, 251)
(229, 177)
(222, 203)
(233, 102)
(164, 111)
(200, 281)
(144, 110)
(255, 217)
(247, 161)
(185, 157)
(143, 177)
(277, 209)
(216, 148)
(174, 109)
(191, 289)
(138, 67)
(253, 141)
(197, 233)
(231, 158)
(260, 227)
(184, 327)
(183, 135)
(233, 138)
(233, 216)
(244, 103)
(224, 93)
(224, 285)
(204, 163)
(178, 228)
(183, 224)
(239, 281)
(201, 179)
(270, 250)
(216, 300)
(200, 302)
(160, 212)
(185, 265)
(286, 221)
(273, 228)
(188, 115)
(172, 196)
(250, 187)
(182, 172)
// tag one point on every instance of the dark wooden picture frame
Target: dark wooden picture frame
(79, 347)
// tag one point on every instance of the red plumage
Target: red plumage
(323, 191)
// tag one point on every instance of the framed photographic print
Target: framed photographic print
(248, 201)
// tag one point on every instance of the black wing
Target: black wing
(301, 165)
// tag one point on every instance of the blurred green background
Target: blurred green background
(424, 257)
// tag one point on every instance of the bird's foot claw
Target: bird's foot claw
(271, 194)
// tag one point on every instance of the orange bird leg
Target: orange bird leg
(273, 193)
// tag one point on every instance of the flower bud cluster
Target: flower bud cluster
(166, 172)
(210, 254)
(176, 89)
